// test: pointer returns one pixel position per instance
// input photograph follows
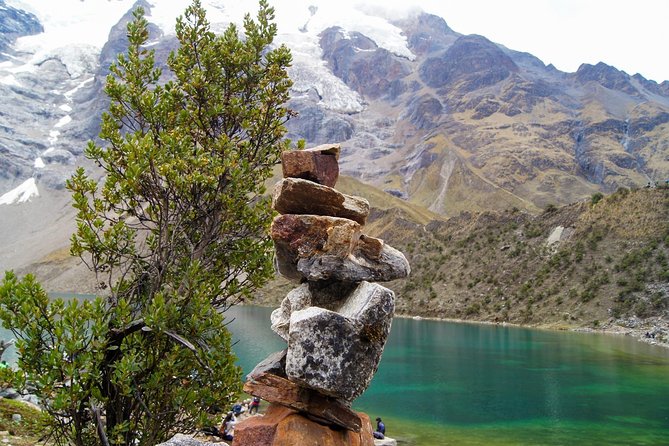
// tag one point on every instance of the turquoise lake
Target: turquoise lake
(444, 383)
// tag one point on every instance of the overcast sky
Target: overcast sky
(630, 35)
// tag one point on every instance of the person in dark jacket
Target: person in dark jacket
(255, 404)
(380, 431)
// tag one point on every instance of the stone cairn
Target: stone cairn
(335, 322)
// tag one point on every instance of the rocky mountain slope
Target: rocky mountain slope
(599, 263)
(448, 121)
(470, 125)
(432, 123)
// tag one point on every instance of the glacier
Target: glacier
(21, 194)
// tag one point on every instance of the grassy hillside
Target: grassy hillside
(610, 264)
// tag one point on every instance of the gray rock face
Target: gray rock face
(328, 295)
(473, 60)
(338, 352)
(15, 23)
(298, 299)
(388, 264)
(361, 64)
(274, 364)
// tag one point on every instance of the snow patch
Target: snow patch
(75, 31)
(10, 80)
(21, 194)
(70, 93)
(39, 163)
(299, 28)
(71, 22)
(66, 108)
(53, 136)
(383, 33)
(63, 121)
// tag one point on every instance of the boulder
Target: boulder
(274, 364)
(338, 352)
(306, 236)
(321, 248)
(297, 299)
(312, 404)
(324, 294)
(371, 260)
(284, 427)
(385, 442)
(318, 164)
(298, 196)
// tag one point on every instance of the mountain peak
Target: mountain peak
(607, 76)
(471, 58)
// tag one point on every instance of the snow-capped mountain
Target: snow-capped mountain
(449, 121)
(58, 52)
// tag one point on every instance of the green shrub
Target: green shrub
(596, 198)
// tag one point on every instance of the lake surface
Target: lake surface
(444, 383)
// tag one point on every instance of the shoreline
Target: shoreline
(634, 328)
(638, 332)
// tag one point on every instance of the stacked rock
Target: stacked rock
(337, 320)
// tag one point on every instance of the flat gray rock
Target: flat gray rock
(388, 264)
(187, 440)
(328, 295)
(274, 364)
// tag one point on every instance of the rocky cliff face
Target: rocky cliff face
(15, 23)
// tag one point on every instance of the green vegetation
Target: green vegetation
(611, 262)
(175, 234)
(26, 432)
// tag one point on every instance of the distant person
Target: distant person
(255, 404)
(237, 409)
(380, 431)
(228, 427)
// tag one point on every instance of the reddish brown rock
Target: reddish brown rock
(257, 431)
(283, 427)
(307, 236)
(298, 430)
(299, 196)
(319, 164)
(278, 390)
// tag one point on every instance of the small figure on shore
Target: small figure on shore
(237, 409)
(227, 427)
(255, 404)
(380, 431)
